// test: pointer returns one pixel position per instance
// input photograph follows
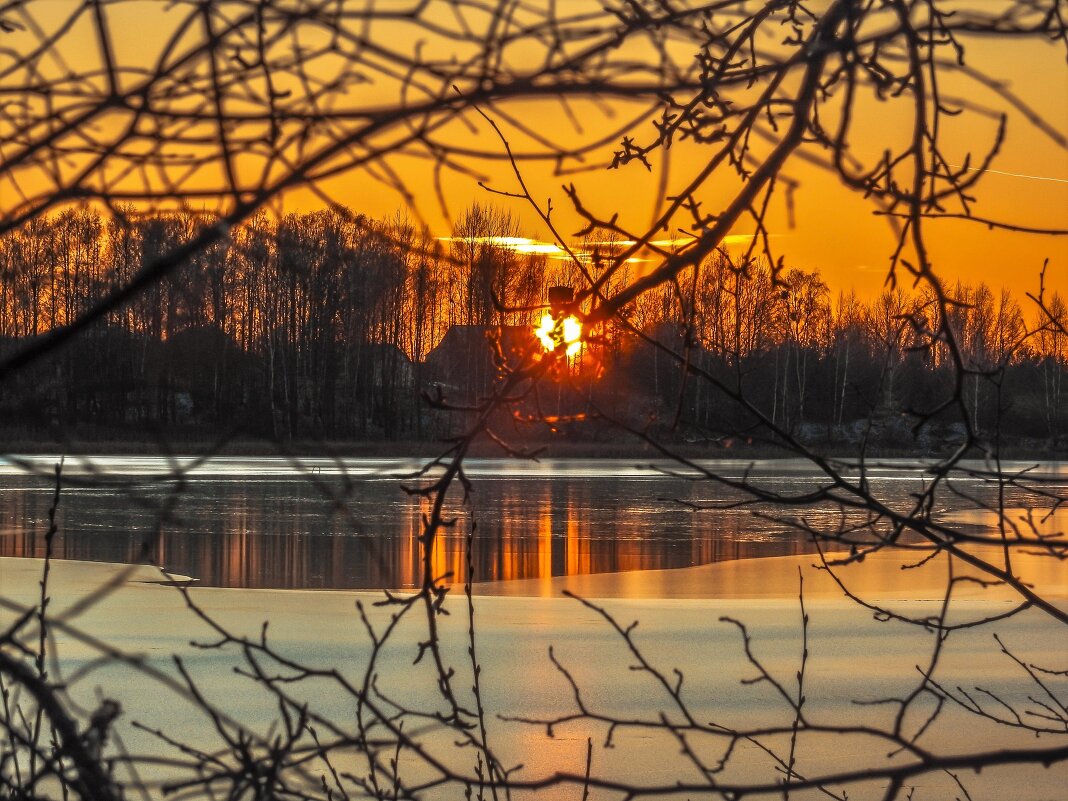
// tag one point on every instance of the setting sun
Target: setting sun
(566, 332)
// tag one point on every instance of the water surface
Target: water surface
(321, 523)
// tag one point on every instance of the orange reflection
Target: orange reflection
(277, 534)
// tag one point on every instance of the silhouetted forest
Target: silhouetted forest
(331, 325)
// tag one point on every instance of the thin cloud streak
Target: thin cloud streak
(1014, 174)
(527, 246)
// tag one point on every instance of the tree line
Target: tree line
(325, 325)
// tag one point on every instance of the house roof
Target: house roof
(469, 340)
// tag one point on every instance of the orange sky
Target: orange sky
(834, 231)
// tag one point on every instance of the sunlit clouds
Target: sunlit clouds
(588, 249)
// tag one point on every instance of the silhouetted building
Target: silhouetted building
(469, 359)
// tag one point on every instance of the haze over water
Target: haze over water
(320, 523)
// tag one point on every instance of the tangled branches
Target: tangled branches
(243, 103)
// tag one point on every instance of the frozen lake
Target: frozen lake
(322, 523)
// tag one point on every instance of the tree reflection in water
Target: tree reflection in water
(240, 530)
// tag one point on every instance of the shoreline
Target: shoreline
(405, 460)
(723, 448)
(890, 575)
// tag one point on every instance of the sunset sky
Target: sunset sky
(833, 229)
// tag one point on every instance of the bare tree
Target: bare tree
(248, 100)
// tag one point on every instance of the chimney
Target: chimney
(559, 296)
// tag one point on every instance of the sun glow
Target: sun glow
(584, 252)
(566, 333)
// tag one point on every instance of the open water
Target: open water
(322, 523)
